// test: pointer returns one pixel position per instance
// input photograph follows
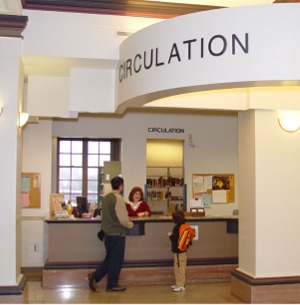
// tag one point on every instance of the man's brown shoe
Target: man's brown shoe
(92, 281)
(116, 289)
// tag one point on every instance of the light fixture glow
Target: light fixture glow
(23, 118)
(289, 120)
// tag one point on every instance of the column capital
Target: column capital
(12, 25)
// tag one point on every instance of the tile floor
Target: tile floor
(213, 293)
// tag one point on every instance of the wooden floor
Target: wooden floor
(206, 293)
(204, 285)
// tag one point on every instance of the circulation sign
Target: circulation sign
(217, 49)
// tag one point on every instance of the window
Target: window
(78, 165)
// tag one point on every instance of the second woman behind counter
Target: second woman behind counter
(137, 206)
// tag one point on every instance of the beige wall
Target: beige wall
(215, 151)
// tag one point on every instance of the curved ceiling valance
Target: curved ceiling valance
(246, 51)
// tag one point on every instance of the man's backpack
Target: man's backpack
(186, 237)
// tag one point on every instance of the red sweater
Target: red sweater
(142, 207)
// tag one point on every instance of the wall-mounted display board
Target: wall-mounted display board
(31, 190)
(212, 188)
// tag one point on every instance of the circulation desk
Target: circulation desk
(73, 243)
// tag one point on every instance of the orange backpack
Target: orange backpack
(186, 237)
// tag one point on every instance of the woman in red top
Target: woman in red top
(136, 205)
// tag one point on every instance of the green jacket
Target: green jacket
(115, 219)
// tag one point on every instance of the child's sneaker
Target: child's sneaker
(173, 286)
(178, 289)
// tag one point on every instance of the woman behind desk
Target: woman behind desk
(137, 206)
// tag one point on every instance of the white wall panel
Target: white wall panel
(48, 96)
(92, 90)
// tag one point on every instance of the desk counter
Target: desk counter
(74, 242)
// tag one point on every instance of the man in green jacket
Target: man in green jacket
(115, 223)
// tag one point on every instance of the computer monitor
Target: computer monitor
(82, 205)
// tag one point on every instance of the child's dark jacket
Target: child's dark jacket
(174, 239)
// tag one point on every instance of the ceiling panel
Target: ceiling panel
(140, 8)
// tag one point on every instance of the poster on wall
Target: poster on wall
(213, 188)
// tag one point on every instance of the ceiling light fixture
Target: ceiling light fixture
(289, 120)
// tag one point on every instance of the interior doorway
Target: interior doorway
(165, 190)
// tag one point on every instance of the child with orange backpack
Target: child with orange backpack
(181, 239)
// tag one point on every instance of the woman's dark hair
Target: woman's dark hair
(178, 217)
(116, 182)
(134, 190)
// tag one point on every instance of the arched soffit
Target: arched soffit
(233, 48)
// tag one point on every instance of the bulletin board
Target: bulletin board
(212, 188)
(31, 190)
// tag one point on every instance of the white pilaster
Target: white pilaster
(269, 200)
(10, 245)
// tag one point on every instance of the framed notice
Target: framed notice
(56, 201)
(31, 190)
(213, 188)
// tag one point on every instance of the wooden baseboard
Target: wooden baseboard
(77, 278)
(265, 290)
(144, 263)
(14, 289)
(33, 273)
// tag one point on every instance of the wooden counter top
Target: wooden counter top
(154, 218)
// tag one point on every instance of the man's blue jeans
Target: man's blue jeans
(113, 261)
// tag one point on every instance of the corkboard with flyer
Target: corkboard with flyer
(31, 190)
(212, 188)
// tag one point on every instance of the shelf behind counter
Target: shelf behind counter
(73, 243)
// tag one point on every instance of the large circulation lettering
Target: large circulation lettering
(201, 48)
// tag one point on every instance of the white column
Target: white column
(10, 224)
(269, 200)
